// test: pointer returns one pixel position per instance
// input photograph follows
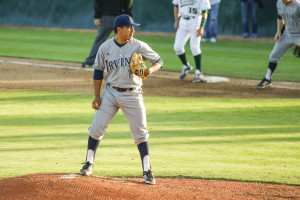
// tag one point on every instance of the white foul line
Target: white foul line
(154, 75)
(46, 65)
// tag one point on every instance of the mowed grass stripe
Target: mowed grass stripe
(228, 139)
(224, 58)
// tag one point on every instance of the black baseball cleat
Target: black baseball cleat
(87, 169)
(186, 69)
(148, 177)
(85, 65)
(264, 83)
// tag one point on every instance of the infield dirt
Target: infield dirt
(73, 186)
(17, 76)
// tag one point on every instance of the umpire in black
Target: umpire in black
(105, 13)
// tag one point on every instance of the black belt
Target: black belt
(122, 89)
(187, 18)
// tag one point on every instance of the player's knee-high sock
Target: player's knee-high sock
(198, 62)
(92, 148)
(182, 57)
(144, 152)
(271, 69)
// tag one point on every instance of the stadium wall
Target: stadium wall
(154, 15)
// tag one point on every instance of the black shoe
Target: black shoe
(85, 65)
(185, 70)
(264, 83)
(149, 178)
(198, 77)
(87, 169)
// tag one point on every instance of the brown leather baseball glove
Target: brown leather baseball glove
(137, 65)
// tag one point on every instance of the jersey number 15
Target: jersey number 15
(193, 10)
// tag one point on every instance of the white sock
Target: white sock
(90, 156)
(269, 74)
(197, 71)
(146, 161)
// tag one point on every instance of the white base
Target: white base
(214, 79)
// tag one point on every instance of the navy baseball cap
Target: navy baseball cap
(124, 20)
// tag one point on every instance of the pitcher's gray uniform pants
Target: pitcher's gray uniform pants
(107, 26)
(132, 105)
(284, 43)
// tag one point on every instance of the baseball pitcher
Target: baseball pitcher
(113, 63)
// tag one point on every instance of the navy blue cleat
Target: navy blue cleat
(87, 169)
(264, 83)
(148, 177)
(186, 69)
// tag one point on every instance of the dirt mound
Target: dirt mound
(74, 186)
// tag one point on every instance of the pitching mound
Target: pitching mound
(74, 186)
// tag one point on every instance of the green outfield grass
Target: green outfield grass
(225, 58)
(211, 138)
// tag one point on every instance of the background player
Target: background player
(105, 13)
(122, 90)
(288, 16)
(190, 17)
(250, 7)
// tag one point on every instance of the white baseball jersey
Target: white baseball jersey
(191, 15)
(191, 8)
(114, 61)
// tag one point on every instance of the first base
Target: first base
(215, 79)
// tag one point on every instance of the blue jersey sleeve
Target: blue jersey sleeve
(98, 74)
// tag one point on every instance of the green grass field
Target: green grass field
(225, 58)
(211, 138)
